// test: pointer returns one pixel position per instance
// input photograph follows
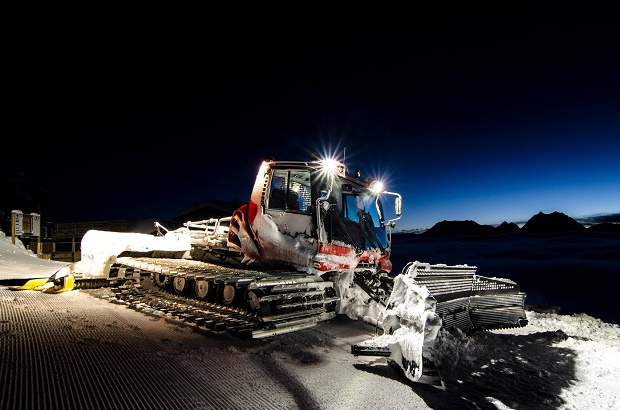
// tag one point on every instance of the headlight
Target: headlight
(332, 166)
(376, 187)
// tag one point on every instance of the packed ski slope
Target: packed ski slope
(89, 347)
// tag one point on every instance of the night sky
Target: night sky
(485, 119)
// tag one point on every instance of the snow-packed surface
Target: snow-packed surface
(17, 262)
(556, 361)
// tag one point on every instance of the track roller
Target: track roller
(231, 295)
(161, 280)
(204, 290)
(181, 285)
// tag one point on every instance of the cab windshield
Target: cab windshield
(362, 211)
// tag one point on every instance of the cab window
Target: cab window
(290, 190)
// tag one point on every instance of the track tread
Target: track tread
(305, 307)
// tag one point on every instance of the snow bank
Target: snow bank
(18, 262)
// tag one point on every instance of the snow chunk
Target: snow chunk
(354, 301)
(410, 326)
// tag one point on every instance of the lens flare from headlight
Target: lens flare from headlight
(330, 165)
(377, 187)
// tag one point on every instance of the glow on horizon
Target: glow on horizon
(579, 203)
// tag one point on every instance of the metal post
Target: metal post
(13, 227)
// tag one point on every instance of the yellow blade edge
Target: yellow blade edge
(31, 284)
(68, 283)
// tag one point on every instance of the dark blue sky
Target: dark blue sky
(485, 119)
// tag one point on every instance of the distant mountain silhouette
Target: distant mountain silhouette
(553, 222)
(506, 227)
(452, 228)
(539, 223)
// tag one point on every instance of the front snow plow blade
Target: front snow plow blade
(427, 298)
(468, 301)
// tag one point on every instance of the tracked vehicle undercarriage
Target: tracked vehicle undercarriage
(311, 243)
(277, 302)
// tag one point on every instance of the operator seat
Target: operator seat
(277, 199)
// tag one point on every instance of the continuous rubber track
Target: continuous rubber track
(284, 301)
(147, 298)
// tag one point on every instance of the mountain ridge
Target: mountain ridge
(539, 223)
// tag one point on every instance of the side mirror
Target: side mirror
(398, 206)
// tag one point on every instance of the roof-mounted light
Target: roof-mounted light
(376, 187)
(332, 166)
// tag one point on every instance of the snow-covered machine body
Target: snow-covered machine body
(312, 216)
(312, 242)
(308, 228)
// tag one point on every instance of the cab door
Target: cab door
(286, 234)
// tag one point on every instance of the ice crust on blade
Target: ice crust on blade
(410, 326)
(354, 301)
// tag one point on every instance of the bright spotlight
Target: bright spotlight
(376, 187)
(331, 166)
